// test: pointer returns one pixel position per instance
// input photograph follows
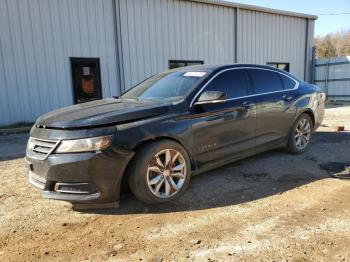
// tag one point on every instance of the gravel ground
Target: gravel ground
(273, 206)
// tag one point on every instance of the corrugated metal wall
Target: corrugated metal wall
(156, 31)
(266, 38)
(333, 76)
(37, 38)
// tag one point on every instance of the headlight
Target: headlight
(84, 145)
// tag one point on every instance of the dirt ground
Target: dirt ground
(271, 207)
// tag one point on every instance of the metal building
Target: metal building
(57, 53)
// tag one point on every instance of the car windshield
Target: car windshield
(172, 86)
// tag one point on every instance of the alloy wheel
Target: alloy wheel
(166, 173)
(302, 134)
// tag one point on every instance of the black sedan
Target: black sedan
(167, 128)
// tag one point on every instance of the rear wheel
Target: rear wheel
(160, 172)
(300, 137)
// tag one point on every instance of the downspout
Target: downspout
(306, 50)
(119, 46)
(236, 35)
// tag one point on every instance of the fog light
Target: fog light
(75, 188)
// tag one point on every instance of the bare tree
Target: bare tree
(334, 44)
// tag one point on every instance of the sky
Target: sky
(325, 23)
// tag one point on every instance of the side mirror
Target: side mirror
(211, 97)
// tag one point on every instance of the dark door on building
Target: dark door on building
(86, 78)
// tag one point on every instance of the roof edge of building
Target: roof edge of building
(256, 8)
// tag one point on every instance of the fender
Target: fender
(306, 104)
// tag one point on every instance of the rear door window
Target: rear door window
(234, 83)
(265, 81)
(288, 83)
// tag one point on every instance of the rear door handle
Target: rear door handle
(287, 98)
(247, 105)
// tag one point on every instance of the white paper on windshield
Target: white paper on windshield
(195, 74)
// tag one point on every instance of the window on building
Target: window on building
(86, 78)
(282, 66)
(181, 63)
(265, 81)
(234, 83)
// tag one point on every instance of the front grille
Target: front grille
(40, 148)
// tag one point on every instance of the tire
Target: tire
(154, 181)
(296, 146)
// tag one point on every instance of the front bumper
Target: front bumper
(72, 192)
(93, 177)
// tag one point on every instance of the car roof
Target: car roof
(218, 67)
(214, 68)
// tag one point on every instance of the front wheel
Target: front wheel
(160, 172)
(300, 137)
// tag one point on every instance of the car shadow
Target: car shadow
(257, 177)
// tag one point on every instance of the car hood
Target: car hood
(102, 112)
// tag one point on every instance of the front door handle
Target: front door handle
(247, 105)
(287, 98)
